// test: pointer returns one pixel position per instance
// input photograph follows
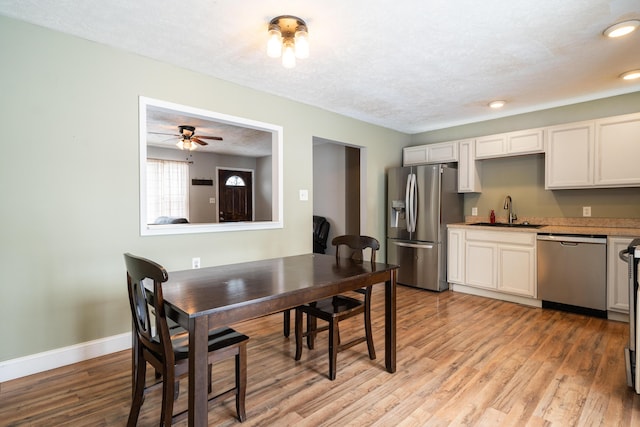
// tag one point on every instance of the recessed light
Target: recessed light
(622, 28)
(630, 75)
(497, 104)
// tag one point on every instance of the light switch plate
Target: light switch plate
(304, 195)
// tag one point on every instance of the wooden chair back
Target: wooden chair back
(156, 339)
(354, 246)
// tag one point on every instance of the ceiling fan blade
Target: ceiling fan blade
(198, 141)
(162, 133)
(216, 138)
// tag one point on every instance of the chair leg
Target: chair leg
(333, 348)
(312, 326)
(367, 330)
(168, 392)
(298, 332)
(138, 390)
(286, 324)
(241, 381)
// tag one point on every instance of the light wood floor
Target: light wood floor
(462, 360)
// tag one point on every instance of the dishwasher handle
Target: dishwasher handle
(571, 239)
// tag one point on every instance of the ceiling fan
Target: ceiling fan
(187, 137)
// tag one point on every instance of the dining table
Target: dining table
(212, 297)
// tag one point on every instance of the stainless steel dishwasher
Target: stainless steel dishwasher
(572, 273)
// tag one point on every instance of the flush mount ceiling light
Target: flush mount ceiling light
(289, 38)
(622, 28)
(497, 104)
(630, 75)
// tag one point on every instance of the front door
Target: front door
(235, 195)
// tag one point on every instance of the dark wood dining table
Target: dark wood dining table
(212, 297)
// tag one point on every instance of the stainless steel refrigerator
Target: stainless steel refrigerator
(421, 201)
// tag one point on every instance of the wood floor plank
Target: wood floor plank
(462, 360)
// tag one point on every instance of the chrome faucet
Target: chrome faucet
(508, 205)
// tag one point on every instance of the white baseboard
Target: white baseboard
(40, 362)
(495, 295)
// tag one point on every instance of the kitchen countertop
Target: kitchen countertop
(581, 226)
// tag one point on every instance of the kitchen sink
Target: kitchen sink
(504, 224)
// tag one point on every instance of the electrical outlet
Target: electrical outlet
(195, 262)
(474, 211)
(586, 211)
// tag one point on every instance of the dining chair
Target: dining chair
(339, 307)
(320, 234)
(168, 352)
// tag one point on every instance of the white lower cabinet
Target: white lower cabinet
(481, 264)
(617, 275)
(455, 255)
(500, 262)
(517, 269)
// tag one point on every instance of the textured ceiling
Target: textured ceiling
(237, 140)
(411, 65)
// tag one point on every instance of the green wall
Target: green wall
(69, 181)
(522, 177)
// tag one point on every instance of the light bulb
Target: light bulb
(274, 45)
(622, 28)
(180, 144)
(289, 55)
(302, 43)
(631, 75)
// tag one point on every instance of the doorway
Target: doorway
(235, 195)
(338, 186)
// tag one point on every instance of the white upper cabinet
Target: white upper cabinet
(569, 156)
(443, 152)
(617, 151)
(468, 168)
(596, 153)
(414, 155)
(491, 146)
(525, 142)
(510, 144)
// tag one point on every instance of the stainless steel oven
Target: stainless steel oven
(631, 255)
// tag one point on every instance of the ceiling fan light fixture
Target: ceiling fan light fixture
(301, 42)
(288, 55)
(497, 104)
(289, 38)
(186, 144)
(630, 75)
(622, 28)
(274, 45)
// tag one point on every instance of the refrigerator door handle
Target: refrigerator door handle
(413, 245)
(413, 207)
(409, 202)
